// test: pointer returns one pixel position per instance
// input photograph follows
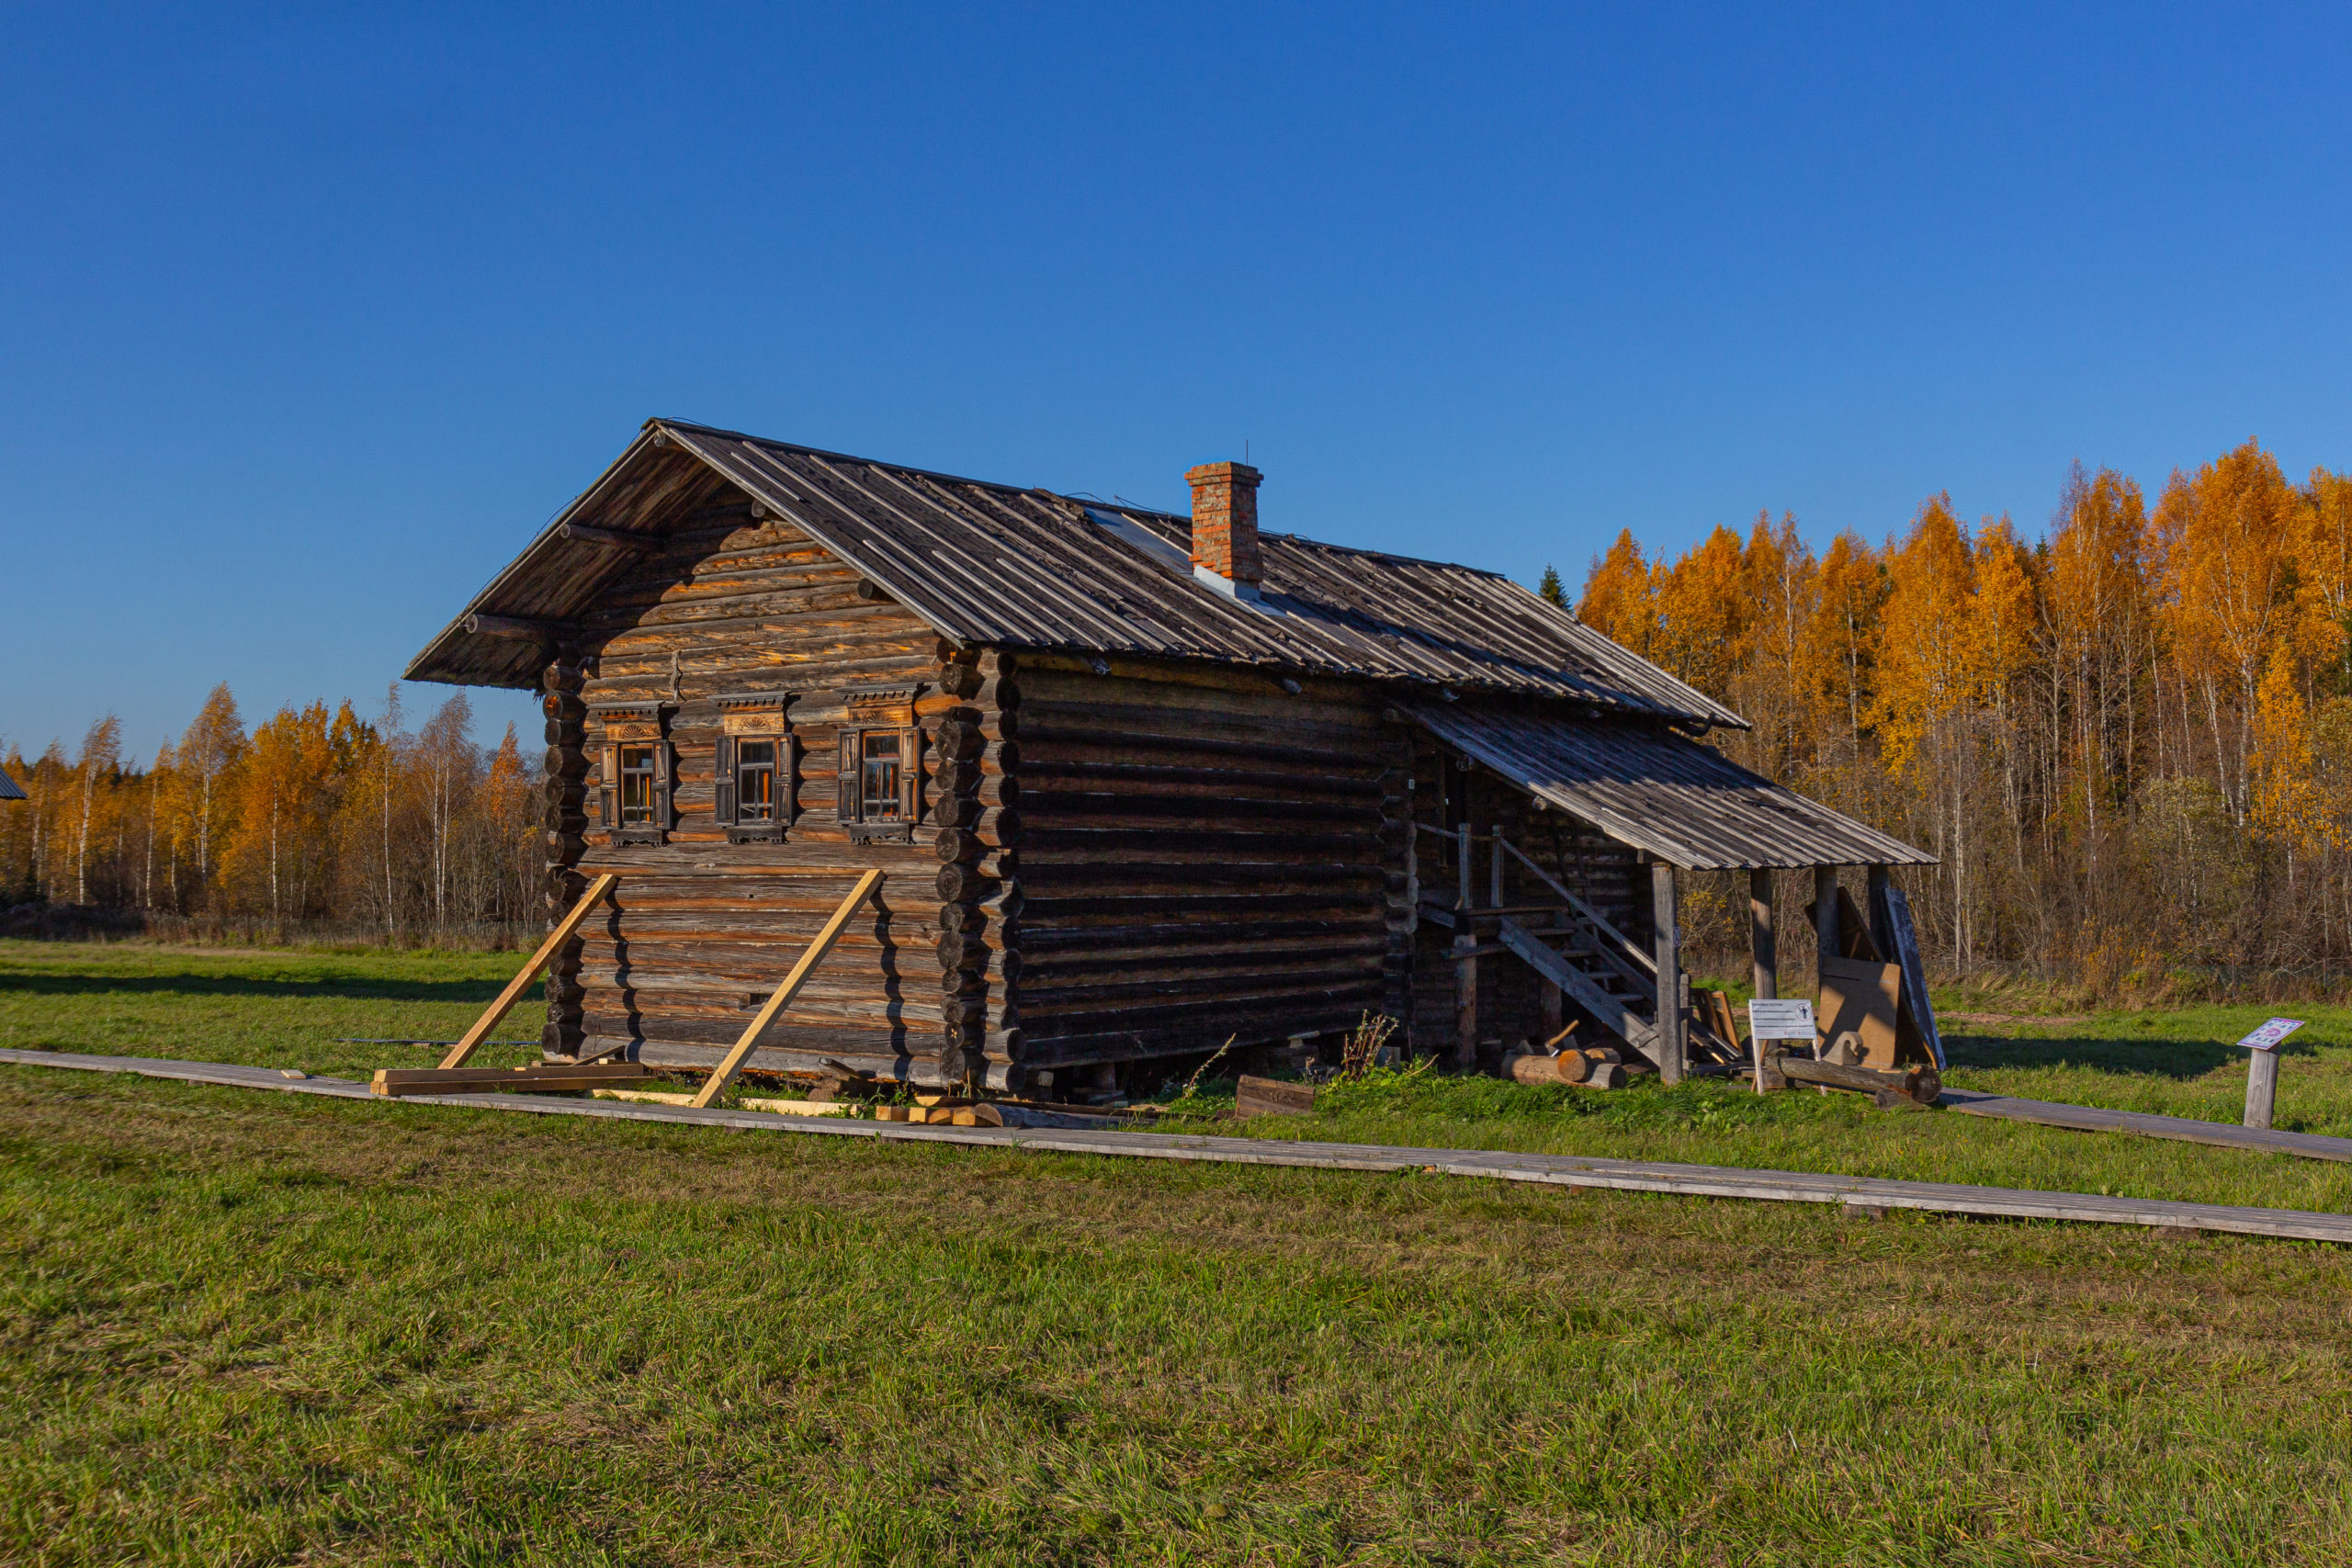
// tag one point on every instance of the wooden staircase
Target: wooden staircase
(1600, 974)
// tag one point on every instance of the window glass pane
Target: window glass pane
(755, 781)
(879, 792)
(637, 786)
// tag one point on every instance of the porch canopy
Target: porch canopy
(1684, 802)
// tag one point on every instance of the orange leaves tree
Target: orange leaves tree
(2132, 734)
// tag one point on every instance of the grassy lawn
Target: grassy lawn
(248, 1328)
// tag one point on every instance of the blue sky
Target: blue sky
(311, 316)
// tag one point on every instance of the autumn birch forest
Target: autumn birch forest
(2128, 740)
(318, 823)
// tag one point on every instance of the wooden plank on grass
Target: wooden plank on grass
(1559, 1171)
(550, 1078)
(1272, 1096)
(724, 1074)
(2183, 1129)
(530, 973)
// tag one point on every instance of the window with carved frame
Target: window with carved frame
(754, 779)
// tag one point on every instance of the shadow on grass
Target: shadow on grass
(2181, 1059)
(352, 986)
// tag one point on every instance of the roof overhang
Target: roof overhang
(1661, 792)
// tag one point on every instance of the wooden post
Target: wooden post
(529, 972)
(1763, 955)
(1466, 968)
(1669, 973)
(1825, 944)
(1825, 916)
(2261, 1087)
(1494, 877)
(724, 1074)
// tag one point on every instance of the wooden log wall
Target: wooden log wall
(566, 822)
(1605, 874)
(976, 822)
(700, 930)
(1206, 856)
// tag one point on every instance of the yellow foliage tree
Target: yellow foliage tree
(1619, 599)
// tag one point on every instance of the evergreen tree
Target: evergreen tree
(1550, 590)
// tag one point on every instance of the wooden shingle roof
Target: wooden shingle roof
(1029, 568)
(1642, 784)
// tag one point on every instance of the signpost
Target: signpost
(2262, 1068)
(1771, 1018)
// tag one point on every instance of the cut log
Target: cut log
(1920, 1086)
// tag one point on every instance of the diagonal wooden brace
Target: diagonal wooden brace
(530, 972)
(724, 1074)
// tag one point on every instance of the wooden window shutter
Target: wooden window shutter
(846, 805)
(910, 776)
(722, 789)
(608, 788)
(665, 769)
(787, 780)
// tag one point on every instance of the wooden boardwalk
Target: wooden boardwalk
(2091, 1119)
(1860, 1192)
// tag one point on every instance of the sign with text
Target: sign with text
(1785, 1020)
(2267, 1038)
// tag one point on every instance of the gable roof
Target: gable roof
(8, 790)
(1028, 567)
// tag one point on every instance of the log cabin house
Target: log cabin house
(1139, 782)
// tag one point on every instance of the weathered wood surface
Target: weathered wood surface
(1562, 1170)
(1920, 1085)
(554, 1078)
(1272, 1096)
(1202, 858)
(2094, 1119)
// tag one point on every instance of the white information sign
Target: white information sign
(2267, 1038)
(1790, 1019)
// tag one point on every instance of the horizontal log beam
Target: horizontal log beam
(514, 626)
(610, 538)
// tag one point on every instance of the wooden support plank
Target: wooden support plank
(1563, 1170)
(524, 978)
(1669, 1054)
(724, 1074)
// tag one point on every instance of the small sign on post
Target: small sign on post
(1771, 1018)
(2262, 1068)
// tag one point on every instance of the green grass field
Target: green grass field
(246, 1328)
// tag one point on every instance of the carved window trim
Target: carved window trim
(879, 711)
(628, 727)
(757, 718)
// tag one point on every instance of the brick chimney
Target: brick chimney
(1224, 526)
